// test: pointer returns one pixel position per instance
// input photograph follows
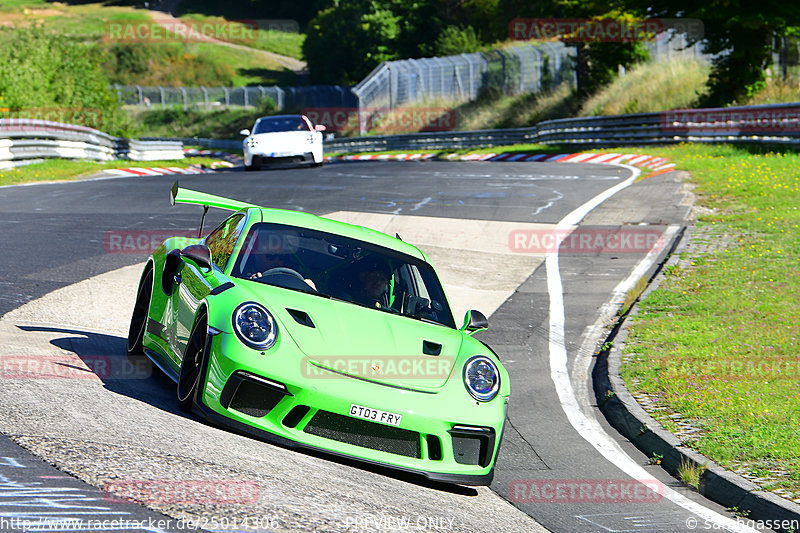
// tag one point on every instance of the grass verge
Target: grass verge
(716, 344)
(651, 87)
(66, 169)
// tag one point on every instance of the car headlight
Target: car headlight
(255, 326)
(481, 378)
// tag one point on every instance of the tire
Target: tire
(135, 348)
(192, 365)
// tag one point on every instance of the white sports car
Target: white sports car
(282, 139)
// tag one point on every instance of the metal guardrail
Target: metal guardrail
(220, 144)
(451, 140)
(28, 139)
(765, 124)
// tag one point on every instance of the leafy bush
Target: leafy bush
(167, 64)
(455, 40)
(44, 75)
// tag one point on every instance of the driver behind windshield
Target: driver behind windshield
(371, 286)
(266, 252)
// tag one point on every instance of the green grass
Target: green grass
(717, 342)
(493, 110)
(778, 92)
(278, 42)
(66, 169)
(195, 64)
(250, 69)
(651, 87)
(82, 21)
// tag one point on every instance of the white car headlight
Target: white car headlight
(255, 326)
(481, 378)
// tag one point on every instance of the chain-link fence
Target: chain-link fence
(224, 97)
(460, 78)
(671, 44)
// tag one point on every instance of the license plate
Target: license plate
(375, 415)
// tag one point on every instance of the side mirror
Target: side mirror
(172, 267)
(200, 254)
(474, 321)
(320, 127)
(245, 132)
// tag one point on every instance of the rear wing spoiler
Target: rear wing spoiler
(186, 196)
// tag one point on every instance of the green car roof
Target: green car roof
(328, 225)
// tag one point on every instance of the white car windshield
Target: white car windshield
(283, 123)
(342, 268)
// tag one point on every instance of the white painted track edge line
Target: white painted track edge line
(590, 430)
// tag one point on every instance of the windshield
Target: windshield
(346, 269)
(287, 123)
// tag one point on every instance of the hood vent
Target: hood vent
(302, 318)
(431, 348)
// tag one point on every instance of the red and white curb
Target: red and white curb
(657, 165)
(382, 157)
(155, 171)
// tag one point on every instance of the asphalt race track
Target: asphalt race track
(67, 288)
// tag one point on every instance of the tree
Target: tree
(345, 42)
(48, 76)
(739, 33)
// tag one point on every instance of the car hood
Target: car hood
(339, 338)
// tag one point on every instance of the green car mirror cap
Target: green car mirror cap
(474, 321)
(481, 378)
(200, 254)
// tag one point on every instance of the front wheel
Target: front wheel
(192, 365)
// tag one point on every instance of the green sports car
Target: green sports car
(317, 334)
